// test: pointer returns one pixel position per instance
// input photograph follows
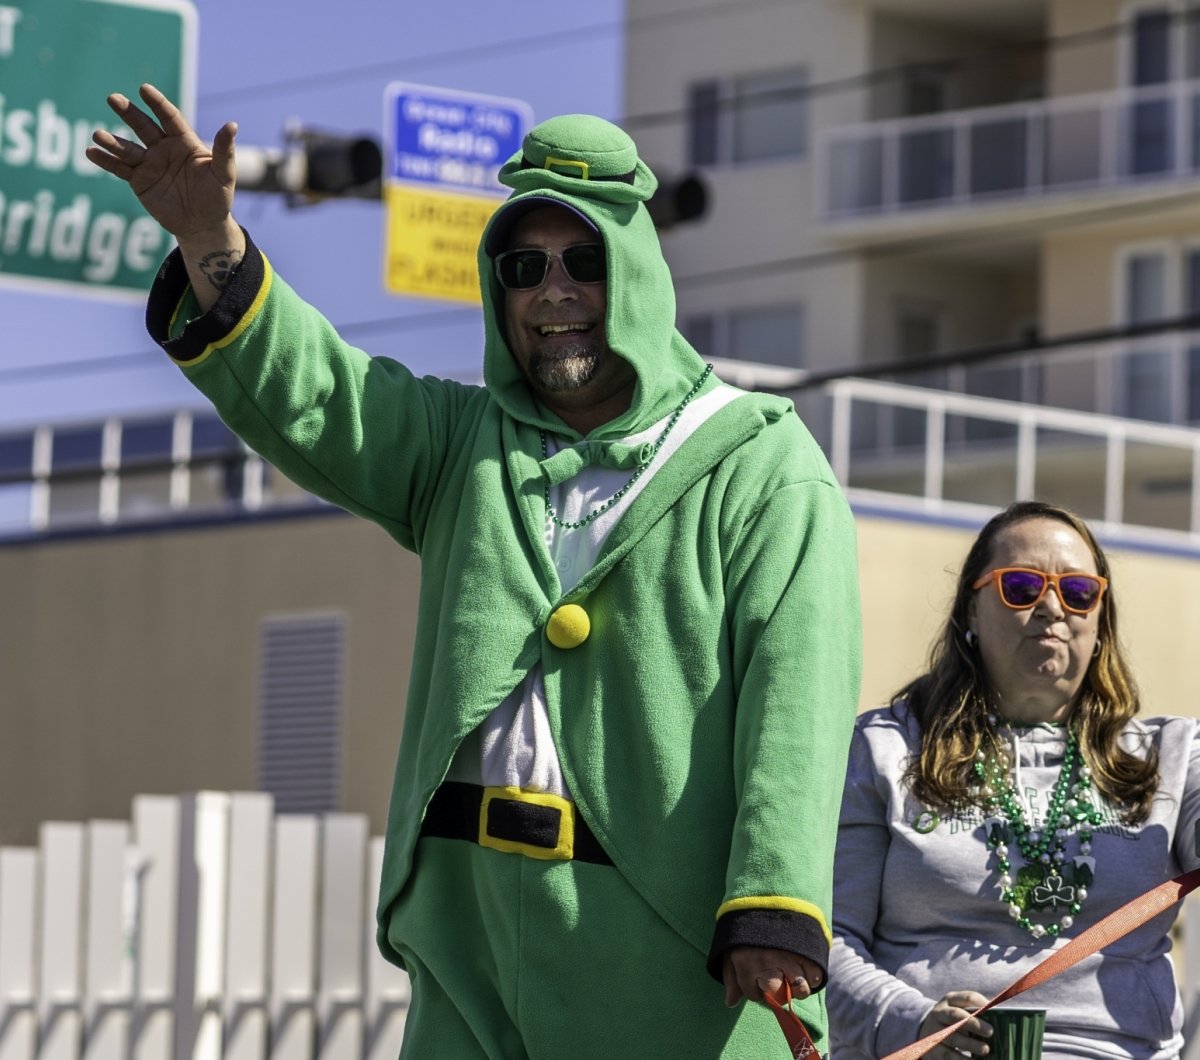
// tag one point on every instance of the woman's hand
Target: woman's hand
(970, 1038)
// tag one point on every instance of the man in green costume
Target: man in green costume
(637, 657)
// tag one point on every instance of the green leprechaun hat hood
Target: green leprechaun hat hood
(591, 166)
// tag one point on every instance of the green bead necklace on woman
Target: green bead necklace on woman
(1046, 881)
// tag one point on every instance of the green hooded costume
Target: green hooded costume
(702, 726)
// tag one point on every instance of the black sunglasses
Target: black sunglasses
(523, 270)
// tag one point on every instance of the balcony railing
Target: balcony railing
(956, 456)
(1110, 429)
(1021, 152)
(133, 471)
(1154, 377)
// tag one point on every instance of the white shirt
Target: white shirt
(513, 746)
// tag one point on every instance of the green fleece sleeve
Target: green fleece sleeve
(792, 592)
(361, 432)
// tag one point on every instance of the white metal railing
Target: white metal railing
(206, 928)
(1019, 151)
(130, 470)
(1015, 451)
(1154, 378)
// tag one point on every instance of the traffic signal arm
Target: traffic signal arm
(314, 166)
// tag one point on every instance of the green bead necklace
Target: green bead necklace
(641, 468)
(1045, 881)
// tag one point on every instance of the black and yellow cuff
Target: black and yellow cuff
(776, 929)
(171, 293)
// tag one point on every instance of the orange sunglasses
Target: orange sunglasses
(1022, 587)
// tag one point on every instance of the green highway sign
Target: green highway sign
(64, 224)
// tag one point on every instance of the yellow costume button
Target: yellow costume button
(568, 627)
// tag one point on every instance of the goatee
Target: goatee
(565, 368)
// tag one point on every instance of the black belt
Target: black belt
(536, 824)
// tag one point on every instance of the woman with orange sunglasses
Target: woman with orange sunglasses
(1007, 800)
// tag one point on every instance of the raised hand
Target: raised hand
(183, 184)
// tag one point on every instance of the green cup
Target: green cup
(1016, 1033)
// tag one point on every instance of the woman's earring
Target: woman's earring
(1096, 649)
(971, 639)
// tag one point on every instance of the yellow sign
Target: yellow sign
(432, 241)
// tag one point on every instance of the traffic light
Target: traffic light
(678, 200)
(315, 165)
(338, 166)
(312, 166)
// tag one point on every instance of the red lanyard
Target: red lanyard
(1133, 914)
(799, 1040)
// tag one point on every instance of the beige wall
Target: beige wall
(907, 572)
(1081, 269)
(1087, 65)
(131, 662)
(978, 304)
(897, 41)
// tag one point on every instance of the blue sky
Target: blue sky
(262, 63)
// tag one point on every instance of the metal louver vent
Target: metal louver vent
(301, 680)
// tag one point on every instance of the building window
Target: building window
(1163, 42)
(76, 468)
(301, 689)
(147, 442)
(147, 449)
(1157, 378)
(16, 457)
(918, 334)
(704, 107)
(1143, 374)
(761, 334)
(918, 330)
(1146, 287)
(1163, 46)
(751, 118)
(923, 91)
(77, 449)
(1151, 46)
(16, 474)
(1191, 307)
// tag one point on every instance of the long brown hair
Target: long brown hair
(951, 701)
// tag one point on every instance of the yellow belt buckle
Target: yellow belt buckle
(564, 850)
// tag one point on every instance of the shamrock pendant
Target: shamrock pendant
(1052, 893)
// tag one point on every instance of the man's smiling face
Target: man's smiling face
(556, 330)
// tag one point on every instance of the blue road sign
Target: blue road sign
(437, 138)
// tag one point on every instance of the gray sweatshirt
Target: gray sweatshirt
(917, 914)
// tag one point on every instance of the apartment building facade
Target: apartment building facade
(894, 180)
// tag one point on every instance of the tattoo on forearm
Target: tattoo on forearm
(219, 266)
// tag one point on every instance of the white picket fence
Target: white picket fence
(206, 928)
(211, 928)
